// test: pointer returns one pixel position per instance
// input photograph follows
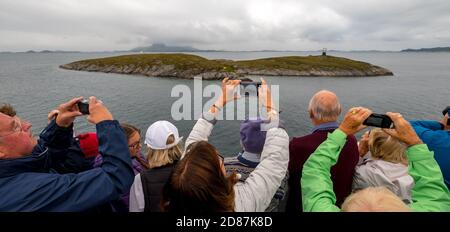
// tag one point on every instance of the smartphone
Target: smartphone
(83, 106)
(248, 87)
(446, 110)
(379, 120)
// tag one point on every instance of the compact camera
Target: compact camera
(246, 87)
(379, 120)
(83, 106)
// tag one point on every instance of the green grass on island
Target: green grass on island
(187, 66)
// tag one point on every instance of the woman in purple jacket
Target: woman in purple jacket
(137, 160)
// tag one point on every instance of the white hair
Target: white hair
(325, 108)
(374, 199)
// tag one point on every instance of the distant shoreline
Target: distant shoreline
(187, 66)
(422, 50)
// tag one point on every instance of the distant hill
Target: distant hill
(160, 47)
(49, 51)
(437, 49)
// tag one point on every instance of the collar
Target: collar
(37, 161)
(249, 159)
(325, 126)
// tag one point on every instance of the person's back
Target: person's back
(252, 141)
(244, 168)
(324, 109)
(341, 174)
(437, 137)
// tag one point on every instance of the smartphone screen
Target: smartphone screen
(378, 120)
(248, 89)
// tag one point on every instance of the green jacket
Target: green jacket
(428, 194)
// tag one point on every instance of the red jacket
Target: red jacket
(341, 174)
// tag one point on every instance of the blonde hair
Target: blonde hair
(374, 199)
(161, 157)
(384, 147)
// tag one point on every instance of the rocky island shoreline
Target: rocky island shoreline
(188, 66)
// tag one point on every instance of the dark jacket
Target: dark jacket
(73, 161)
(153, 181)
(341, 174)
(28, 183)
(437, 139)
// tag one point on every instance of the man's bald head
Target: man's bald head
(324, 106)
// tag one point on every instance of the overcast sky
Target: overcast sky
(102, 25)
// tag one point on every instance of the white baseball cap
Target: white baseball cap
(157, 134)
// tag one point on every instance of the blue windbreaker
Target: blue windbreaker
(438, 141)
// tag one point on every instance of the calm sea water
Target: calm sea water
(34, 84)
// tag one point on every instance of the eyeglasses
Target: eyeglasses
(135, 145)
(17, 127)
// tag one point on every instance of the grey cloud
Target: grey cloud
(215, 24)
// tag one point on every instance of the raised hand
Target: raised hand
(265, 95)
(67, 112)
(353, 120)
(53, 114)
(97, 111)
(227, 95)
(403, 131)
(363, 146)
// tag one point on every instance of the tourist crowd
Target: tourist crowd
(402, 168)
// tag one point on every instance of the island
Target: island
(435, 49)
(188, 66)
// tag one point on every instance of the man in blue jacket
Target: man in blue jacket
(437, 137)
(27, 182)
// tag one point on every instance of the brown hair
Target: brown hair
(385, 147)
(7, 109)
(161, 157)
(130, 130)
(198, 183)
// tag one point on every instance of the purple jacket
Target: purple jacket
(137, 167)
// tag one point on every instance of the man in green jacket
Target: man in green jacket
(428, 194)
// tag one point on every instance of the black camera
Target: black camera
(245, 90)
(83, 106)
(446, 110)
(379, 120)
